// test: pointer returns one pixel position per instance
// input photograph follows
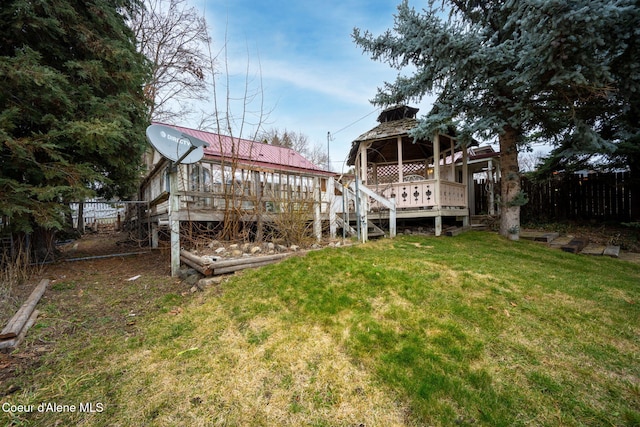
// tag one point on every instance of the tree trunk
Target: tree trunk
(43, 244)
(634, 175)
(510, 188)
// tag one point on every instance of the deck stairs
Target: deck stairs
(363, 196)
(373, 230)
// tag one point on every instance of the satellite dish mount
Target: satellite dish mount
(178, 148)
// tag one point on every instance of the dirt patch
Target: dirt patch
(95, 296)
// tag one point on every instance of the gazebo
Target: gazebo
(425, 177)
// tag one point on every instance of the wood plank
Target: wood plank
(8, 336)
(575, 246)
(20, 319)
(593, 249)
(453, 231)
(612, 251)
(539, 236)
(560, 241)
(547, 237)
(23, 333)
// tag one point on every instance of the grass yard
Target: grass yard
(416, 331)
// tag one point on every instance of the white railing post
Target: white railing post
(392, 218)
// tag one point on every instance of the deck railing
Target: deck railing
(421, 194)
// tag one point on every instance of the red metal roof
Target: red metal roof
(252, 153)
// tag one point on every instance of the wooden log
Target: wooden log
(20, 319)
(194, 258)
(203, 269)
(237, 267)
(249, 260)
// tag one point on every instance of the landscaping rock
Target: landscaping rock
(208, 281)
(193, 279)
(185, 272)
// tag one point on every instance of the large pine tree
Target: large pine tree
(520, 70)
(72, 110)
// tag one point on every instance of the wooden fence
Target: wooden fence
(596, 196)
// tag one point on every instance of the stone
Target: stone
(208, 281)
(294, 248)
(193, 279)
(256, 250)
(220, 251)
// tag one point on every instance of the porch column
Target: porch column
(317, 197)
(257, 191)
(452, 169)
(400, 163)
(330, 197)
(174, 221)
(363, 163)
(465, 181)
(154, 235)
(491, 211)
(436, 173)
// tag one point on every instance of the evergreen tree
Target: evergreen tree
(521, 70)
(72, 111)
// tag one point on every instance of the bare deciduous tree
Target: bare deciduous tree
(173, 36)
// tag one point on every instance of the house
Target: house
(246, 182)
(426, 178)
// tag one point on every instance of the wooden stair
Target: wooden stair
(374, 231)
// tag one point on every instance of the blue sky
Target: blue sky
(299, 58)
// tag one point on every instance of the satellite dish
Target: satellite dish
(175, 145)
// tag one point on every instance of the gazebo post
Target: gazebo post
(400, 161)
(436, 173)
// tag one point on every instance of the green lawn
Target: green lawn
(472, 330)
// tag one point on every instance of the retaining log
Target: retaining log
(200, 268)
(208, 268)
(249, 260)
(194, 258)
(231, 268)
